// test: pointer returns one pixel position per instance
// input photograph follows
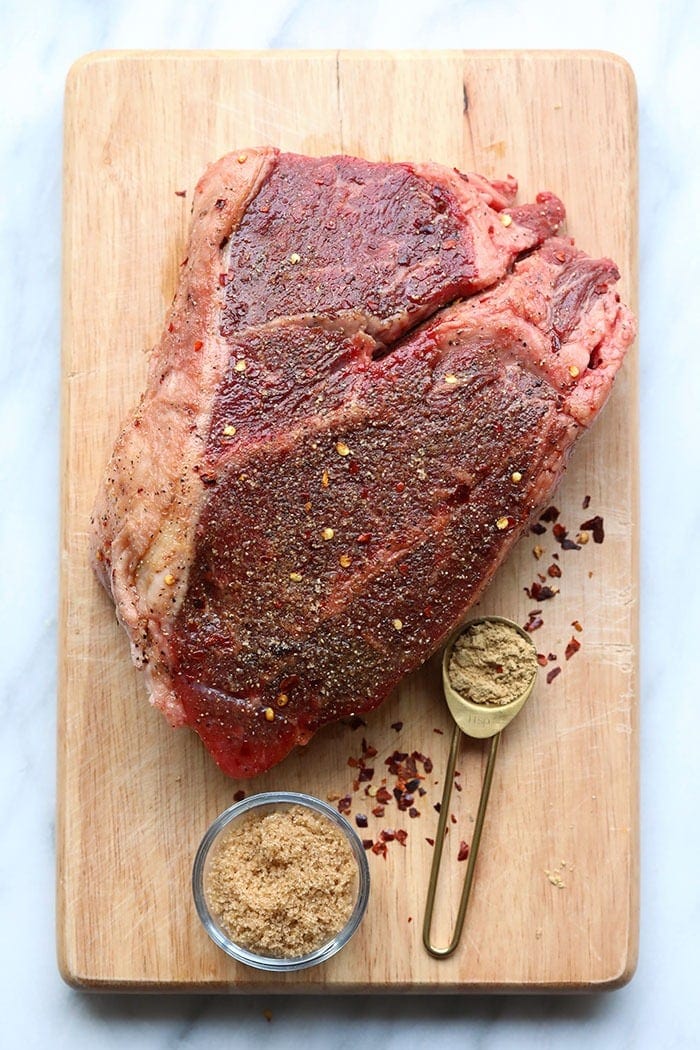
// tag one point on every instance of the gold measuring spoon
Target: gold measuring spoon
(481, 721)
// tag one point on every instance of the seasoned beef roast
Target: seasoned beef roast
(369, 380)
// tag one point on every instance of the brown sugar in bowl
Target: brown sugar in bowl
(281, 881)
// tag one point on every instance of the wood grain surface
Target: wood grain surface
(555, 902)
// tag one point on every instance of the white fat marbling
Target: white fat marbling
(39, 42)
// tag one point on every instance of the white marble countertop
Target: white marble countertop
(40, 41)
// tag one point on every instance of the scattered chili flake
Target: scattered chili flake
(573, 647)
(367, 749)
(344, 804)
(383, 795)
(505, 522)
(380, 849)
(550, 514)
(378, 811)
(583, 537)
(361, 820)
(453, 818)
(368, 843)
(345, 560)
(551, 657)
(364, 537)
(171, 327)
(342, 449)
(400, 486)
(239, 796)
(388, 835)
(463, 850)
(553, 674)
(180, 193)
(576, 625)
(431, 842)
(538, 551)
(354, 721)
(198, 344)
(540, 592)
(398, 726)
(439, 732)
(554, 570)
(586, 502)
(537, 528)
(437, 807)
(458, 786)
(594, 525)
(541, 659)
(220, 203)
(365, 774)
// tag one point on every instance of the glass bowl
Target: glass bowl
(268, 802)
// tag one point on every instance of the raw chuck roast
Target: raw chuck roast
(370, 378)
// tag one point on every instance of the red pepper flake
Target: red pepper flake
(458, 786)
(380, 849)
(463, 850)
(378, 811)
(540, 592)
(398, 726)
(364, 537)
(586, 502)
(431, 842)
(354, 763)
(223, 280)
(344, 804)
(365, 774)
(573, 647)
(207, 479)
(437, 807)
(367, 749)
(594, 525)
(198, 344)
(383, 796)
(554, 570)
(538, 529)
(361, 820)
(388, 835)
(576, 625)
(239, 796)
(354, 468)
(440, 732)
(180, 193)
(220, 203)
(400, 486)
(541, 659)
(453, 818)
(368, 843)
(354, 721)
(551, 657)
(553, 674)
(171, 327)
(401, 836)
(550, 514)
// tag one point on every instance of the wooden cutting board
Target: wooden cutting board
(555, 903)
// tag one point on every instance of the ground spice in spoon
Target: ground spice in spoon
(491, 664)
(282, 883)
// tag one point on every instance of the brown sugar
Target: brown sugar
(282, 883)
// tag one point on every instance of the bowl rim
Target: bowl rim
(244, 955)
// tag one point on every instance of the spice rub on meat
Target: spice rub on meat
(370, 377)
